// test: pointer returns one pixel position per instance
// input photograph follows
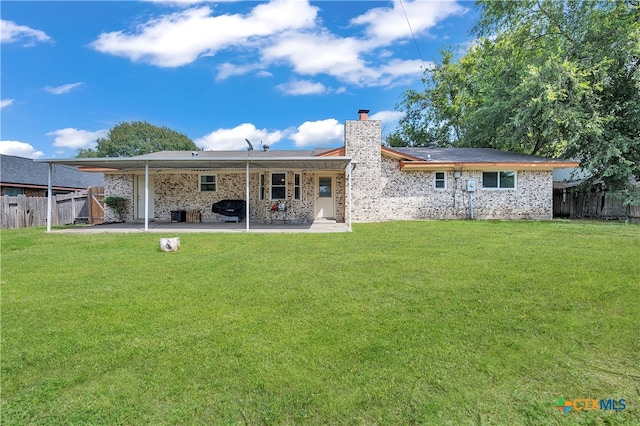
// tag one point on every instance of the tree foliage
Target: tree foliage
(546, 77)
(138, 138)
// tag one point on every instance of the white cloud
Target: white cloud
(387, 116)
(10, 32)
(397, 72)
(389, 120)
(19, 149)
(342, 58)
(286, 32)
(75, 138)
(232, 139)
(180, 38)
(364, 61)
(5, 103)
(301, 87)
(227, 70)
(385, 25)
(179, 2)
(397, 67)
(65, 88)
(312, 54)
(318, 133)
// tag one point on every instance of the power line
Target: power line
(412, 34)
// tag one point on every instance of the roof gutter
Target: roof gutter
(457, 165)
(139, 160)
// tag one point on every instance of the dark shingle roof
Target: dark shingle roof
(475, 155)
(24, 171)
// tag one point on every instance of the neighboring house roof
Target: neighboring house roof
(484, 158)
(197, 160)
(27, 173)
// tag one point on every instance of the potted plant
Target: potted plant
(118, 204)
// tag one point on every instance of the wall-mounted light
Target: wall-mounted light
(457, 174)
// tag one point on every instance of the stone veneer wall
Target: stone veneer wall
(341, 197)
(121, 186)
(411, 195)
(363, 144)
(180, 191)
(533, 198)
(298, 211)
(396, 194)
(381, 191)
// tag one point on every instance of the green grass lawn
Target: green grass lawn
(437, 322)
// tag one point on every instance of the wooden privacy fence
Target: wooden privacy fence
(571, 203)
(66, 209)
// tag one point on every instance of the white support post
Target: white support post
(146, 196)
(349, 169)
(49, 195)
(246, 206)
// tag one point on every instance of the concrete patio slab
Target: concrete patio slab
(207, 227)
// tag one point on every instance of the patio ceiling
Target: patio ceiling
(132, 164)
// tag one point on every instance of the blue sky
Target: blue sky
(284, 72)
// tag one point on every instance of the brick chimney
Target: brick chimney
(363, 114)
(362, 142)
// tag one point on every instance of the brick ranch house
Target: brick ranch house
(362, 181)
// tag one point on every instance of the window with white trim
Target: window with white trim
(440, 180)
(297, 188)
(208, 183)
(499, 180)
(262, 181)
(278, 186)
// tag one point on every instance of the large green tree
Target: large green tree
(548, 77)
(138, 138)
(437, 115)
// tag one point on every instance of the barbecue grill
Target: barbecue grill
(231, 209)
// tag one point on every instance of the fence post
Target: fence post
(73, 209)
(90, 204)
(22, 209)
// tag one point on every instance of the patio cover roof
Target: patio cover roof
(197, 160)
(205, 160)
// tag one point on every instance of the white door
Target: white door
(325, 198)
(140, 197)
